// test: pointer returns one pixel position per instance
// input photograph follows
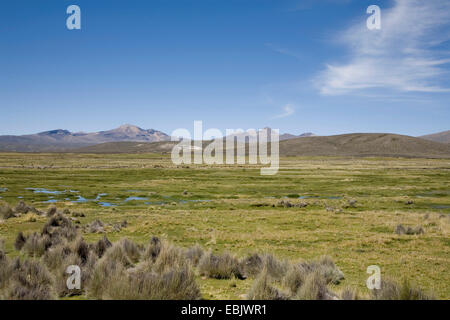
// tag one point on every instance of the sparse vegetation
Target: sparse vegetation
(219, 216)
(391, 290)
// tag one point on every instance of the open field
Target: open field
(233, 208)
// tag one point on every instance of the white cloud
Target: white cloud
(287, 111)
(402, 56)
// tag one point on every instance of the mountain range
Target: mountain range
(56, 140)
(132, 139)
(64, 140)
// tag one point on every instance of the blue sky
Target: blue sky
(295, 65)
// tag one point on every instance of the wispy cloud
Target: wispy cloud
(403, 56)
(282, 50)
(288, 110)
(308, 4)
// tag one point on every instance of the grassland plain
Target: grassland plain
(353, 207)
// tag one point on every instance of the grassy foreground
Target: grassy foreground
(345, 208)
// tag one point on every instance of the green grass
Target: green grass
(241, 214)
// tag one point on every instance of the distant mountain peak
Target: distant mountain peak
(129, 128)
(307, 134)
(59, 132)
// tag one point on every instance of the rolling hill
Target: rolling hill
(443, 137)
(364, 145)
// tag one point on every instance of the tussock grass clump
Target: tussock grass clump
(57, 230)
(174, 284)
(391, 290)
(131, 250)
(29, 280)
(106, 272)
(36, 245)
(117, 255)
(153, 249)
(416, 230)
(326, 268)
(223, 266)
(20, 241)
(59, 227)
(22, 208)
(5, 211)
(170, 257)
(51, 211)
(400, 229)
(101, 246)
(253, 264)
(5, 270)
(87, 267)
(303, 281)
(349, 294)
(165, 274)
(263, 289)
(55, 256)
(96, 226)
(295, 278)
(82, 250)
(194, 254)
(275, 268)
(313, 288)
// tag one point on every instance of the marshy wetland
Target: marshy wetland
(345, 208)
